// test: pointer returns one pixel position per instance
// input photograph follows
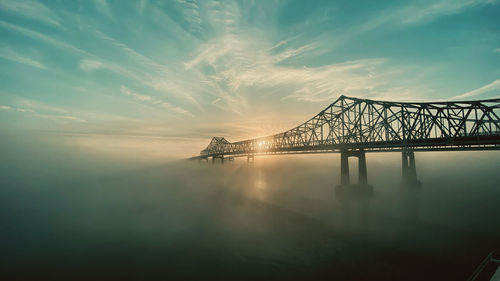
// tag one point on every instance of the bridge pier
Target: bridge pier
(409, 168)
(346, 190)
(362, 174)
(344, 166)
(250, 156)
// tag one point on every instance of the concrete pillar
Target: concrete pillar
(404, 165)
(222, 159)
(213, 160)
(344, 168)
(409, 168)
(412, 169)
(363, 175)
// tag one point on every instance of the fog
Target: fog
(70, 214)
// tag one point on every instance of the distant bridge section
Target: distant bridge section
(353, 126)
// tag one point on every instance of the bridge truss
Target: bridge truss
(353, 123)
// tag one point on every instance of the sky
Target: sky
(158, 79)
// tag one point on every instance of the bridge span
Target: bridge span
(352, 127)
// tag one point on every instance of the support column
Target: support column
(222, 159)
(412, 169)
(363, 175)
(404, 165)
(213, 160)
(359, 191)
(344, 168)
(409, 168)
(249, 156)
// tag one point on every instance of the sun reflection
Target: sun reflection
(260, 186)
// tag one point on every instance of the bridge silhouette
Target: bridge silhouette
(352, 127)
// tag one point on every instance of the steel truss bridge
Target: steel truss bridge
(353, 126)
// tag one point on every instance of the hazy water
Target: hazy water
(66, 216)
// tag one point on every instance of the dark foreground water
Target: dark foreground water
(278, 219)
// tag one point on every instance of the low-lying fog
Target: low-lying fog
(67, 215)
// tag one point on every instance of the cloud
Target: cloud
(423, 13)
(191, 12)
(175, 109)
(90, 65)
(24, 110)
(42, 107)
(44, 38)
(142, 5)
(37, 106)
(5, 107)
(154, 101)
(59, 117)
(103, 8)
(238, 63)
(281, 43)
(152, 74)
(126, 91)
(409, 14)
(493, 86)
(18, 109)
(14, 56)
(32, 10)
(241, 62)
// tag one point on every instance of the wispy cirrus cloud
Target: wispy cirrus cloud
(5, 107)
(409, 14)
(103, 8)
(45, 38)
(154, 101)
(142, 5)
(241, 62)
(11, 55)
(90, 65)
(191, 11)
(153, 74)
(32, 10)
(430, 10)
(18, 109)
(63, 118)
(42, 111)
(488, 88)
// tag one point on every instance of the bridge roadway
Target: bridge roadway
(352, 127)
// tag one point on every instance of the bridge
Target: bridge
(353, 126)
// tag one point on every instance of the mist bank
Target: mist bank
(70, 213)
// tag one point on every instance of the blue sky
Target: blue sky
(162, 77)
